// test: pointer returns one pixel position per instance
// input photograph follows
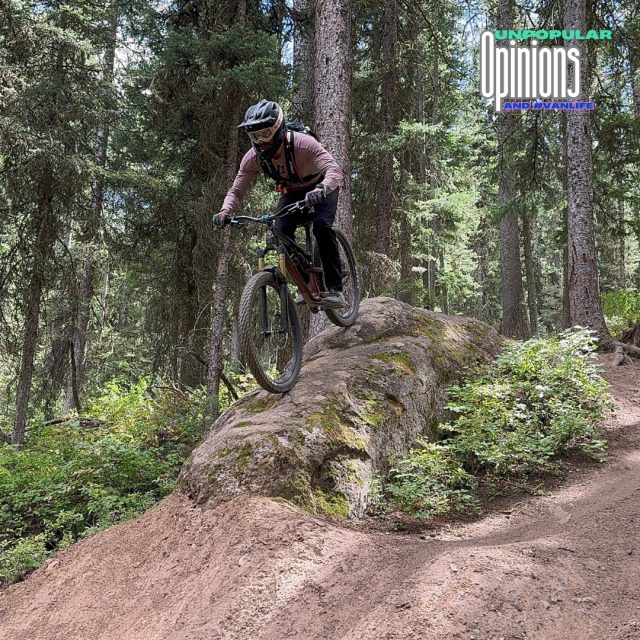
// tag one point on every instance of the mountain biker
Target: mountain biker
(301, 168)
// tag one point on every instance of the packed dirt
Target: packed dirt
(565, 565)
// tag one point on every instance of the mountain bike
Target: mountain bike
(269, 329)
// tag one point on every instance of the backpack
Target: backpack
(290, 129)
(301, 127)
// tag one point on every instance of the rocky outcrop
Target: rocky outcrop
(364, 395)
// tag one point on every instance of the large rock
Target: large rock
(364, 395)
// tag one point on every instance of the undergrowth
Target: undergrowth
(621, 310)
(73, 479)
(515, 420)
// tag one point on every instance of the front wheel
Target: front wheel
(269, 333)
(346, 316)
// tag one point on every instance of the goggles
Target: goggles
(266, 134)
(263, 135)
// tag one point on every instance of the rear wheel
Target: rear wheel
(270, 342)
(346, 316)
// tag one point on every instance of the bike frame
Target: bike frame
(285, 247)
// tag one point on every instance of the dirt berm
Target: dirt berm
(562, 566)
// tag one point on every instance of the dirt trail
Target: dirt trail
(563, 566)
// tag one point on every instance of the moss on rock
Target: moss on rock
(337, 430)
(243, 456)
(331, 503)
(260, 404)
(399, 359)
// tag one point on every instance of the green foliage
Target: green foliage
(75, 478)
(538, 401)
(18, 559)
(431, 481)
(621, 310)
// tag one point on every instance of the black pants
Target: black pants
(323, 215)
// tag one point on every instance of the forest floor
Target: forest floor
(564, 565)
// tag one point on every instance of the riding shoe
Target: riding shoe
(335, 299)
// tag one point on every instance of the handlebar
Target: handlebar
(265, 218)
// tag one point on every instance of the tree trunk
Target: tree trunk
(332, 94)
(532, 292)
(83, 316)
(565, 317)
(215, 363)
(303, 59)
(332, 106)
(303, 99)
(584, 295)
(513, 320)
(385, 203)
(42, 252)
(428, 264)
(622, 250)
(442, 286)
(190, 364)
(406, 259)
(79, 342)
(634, 69)
(514, 323)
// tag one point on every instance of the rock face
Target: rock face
(365, 394)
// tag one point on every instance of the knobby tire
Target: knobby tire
(250, 297)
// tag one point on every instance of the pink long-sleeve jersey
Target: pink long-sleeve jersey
(311, 161)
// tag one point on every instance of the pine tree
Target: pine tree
(584, 294)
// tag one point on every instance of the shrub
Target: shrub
(431, 481)
(538, 401)
(621, 310)
(70, 480)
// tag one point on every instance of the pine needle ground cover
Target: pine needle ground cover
(515, 420)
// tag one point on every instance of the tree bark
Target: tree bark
(42, 250)
(622, 249)
(332, 106)
(332, 94)
(303, 59)
(634, 70)
(565, 316)
(532, 292)
(215, 362)
(384, 202)
(514, 322)
(442, 286)
(429, 264)
(584, 295)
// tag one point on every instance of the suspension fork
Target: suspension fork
(284, 293)
(281, 280)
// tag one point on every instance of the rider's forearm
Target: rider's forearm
(326, 164)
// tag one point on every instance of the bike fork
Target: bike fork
(284, 307)
(284, 310)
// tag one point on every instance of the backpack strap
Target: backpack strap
(270, 171)
(289, 157)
